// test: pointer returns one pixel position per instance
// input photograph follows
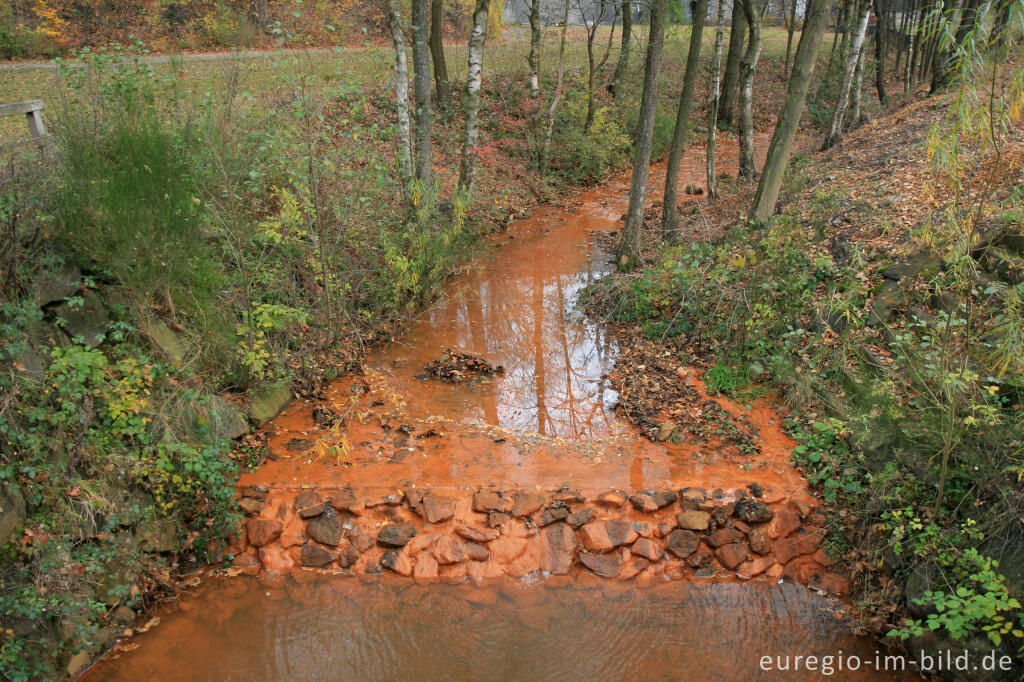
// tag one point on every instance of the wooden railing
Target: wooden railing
(32, 110)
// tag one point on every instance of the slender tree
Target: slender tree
(942, 57)
(836, 130)
(789, 118)
(669, 212)
(534, 58)
(474, 76)
(716, 95)
(748, 65)
(789, 37)
(591, 25)
(441, 84)
(257, 15)
(881, 53)
(858, 92)
(421, 89)
(545, 150)
(402, 97)
(629, 244)
(730, 84)
(627, 35)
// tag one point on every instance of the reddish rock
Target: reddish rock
(247, 559)
(308, 504)
(829, 582)
(583, 516)
(682, 543)
(275, 559)
(448, 551)
(262, 531)
(315, 556)
(569, 497)
(759, 541)
(724, 536)
(255, 492)
(437, 508)
(294, 533)
(775, 571)
(491, 501)
(498, 519)
(611, 498)
(822, 557)
(665, 527)
(523, 566)
(475, 551)
(345, 500)
(396, 561)
(690, 498)
(755, 567)
(558, 545)
(476, 533)
(648, 549)
(620, 532)
(527, 503)
(506, 549)
(348, 557)
(796, 545)
(396, 535)
(251, 506)
(643, 529)
(643, 503)
(721, 515)
(359, 538)
(426, 567)
(784, 524)
(595, 537)
(633, 568)
(604, 565)
(741, 527)
(732, 555)
(414, 498)
(326, 529)
(553, 514)
(693, 520)
(392, 500)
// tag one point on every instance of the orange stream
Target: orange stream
(548, 421)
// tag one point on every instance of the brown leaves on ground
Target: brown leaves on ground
(457, 366)
(656, 397)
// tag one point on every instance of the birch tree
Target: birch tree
(629, 243)
(716, 96)
(836, 129)
(627, 35)
(669, 211)
(402, 97)
(467, 169)
(421, 89)
(748, 65)
(591, 25)
(881, 51)
(534, 58)
(789, 118)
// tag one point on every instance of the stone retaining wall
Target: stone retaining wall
(454, 535)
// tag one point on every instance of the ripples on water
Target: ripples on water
(381, 629)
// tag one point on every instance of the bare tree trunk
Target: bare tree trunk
(421, 88)
(748, 166)
(611, 39)
(999, 24)
(534, 58)
(629, 244)
(789, 38)
(559, 80)
(730, 89)
(908, 72)
(474, 75)
(441, 84)
(627, 35)
(881, 53)
(789, 118)
(716, 95)
(591, 59)
(402, 97)
(858, 90)
(942, 59)
(669, 212)
(836, 131)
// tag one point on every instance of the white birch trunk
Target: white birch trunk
(467, 169)
(716, 96)
(836, 132)
(402, 97)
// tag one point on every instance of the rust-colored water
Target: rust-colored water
(548, 421)
(388, 629)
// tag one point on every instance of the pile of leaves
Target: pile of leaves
(457, 367)
(655, 396)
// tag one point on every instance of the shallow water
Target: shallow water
(388, 629)
(548, 421)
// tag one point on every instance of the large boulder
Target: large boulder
(86, 320)
(268, 403)
(58, 284)
(170, 345)
(12, 515)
